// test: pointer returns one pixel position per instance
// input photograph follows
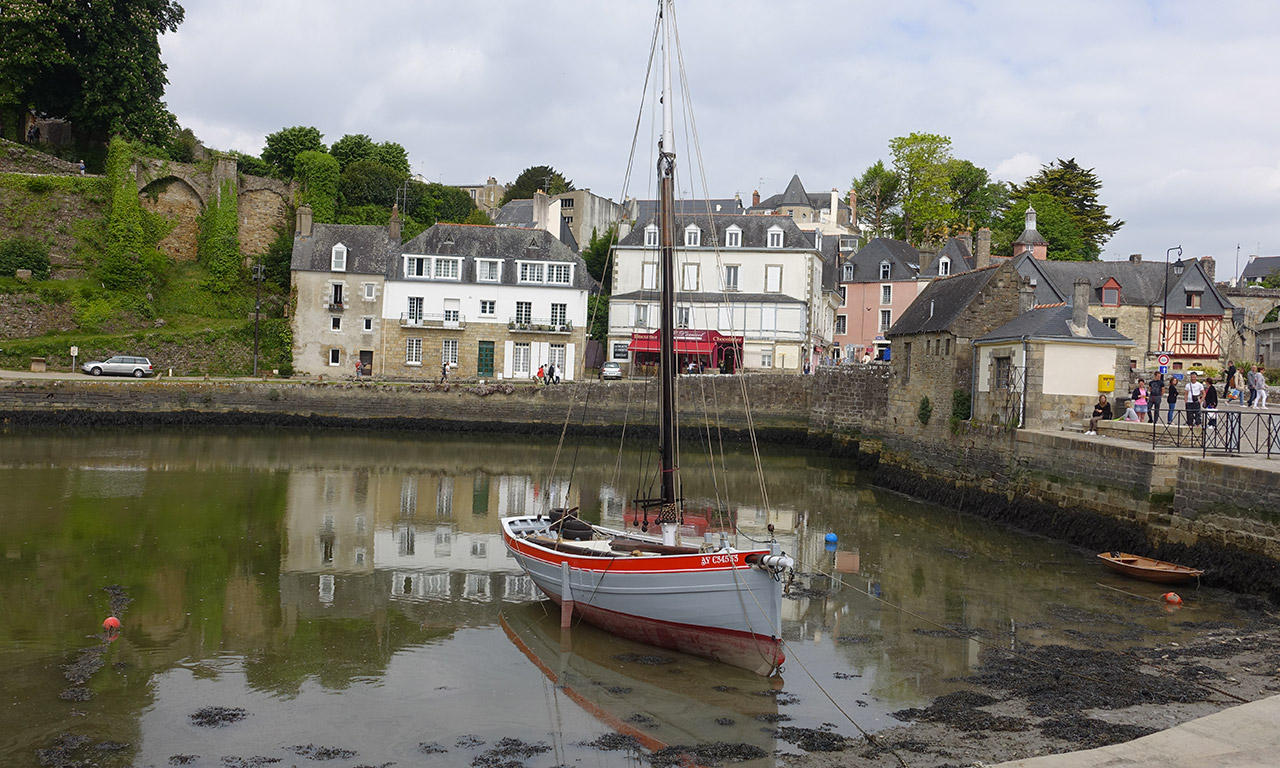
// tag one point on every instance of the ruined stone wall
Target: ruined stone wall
(177, 201)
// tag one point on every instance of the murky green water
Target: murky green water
(350, 591)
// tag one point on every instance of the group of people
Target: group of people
(1200, 398)
(547, 374)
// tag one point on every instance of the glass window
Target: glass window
(1110, 322)
(524, 311)
(369, 290)
(768, 319)
(766, 359)
(1004, 373)
(336, 296)
(520, 358)
(487, 271)
(731, 277)
(531, 273)
(775, 238)
(446, 269)
(368, 324)
(642, 315)
(651, 236)
(335, 357)
(848, 273)
(885, 270)
(1111, 297)
(1193, 300)
(449, 352)
(733, 237)
(692, 236)
(886, 294)
(1189, 332)
(689, 274)
(559, 274)
(773, 278)
(414, 315)
(413, 351)
(841, 324)
(886, 319)
(338, 258)
(844, 295)
(559, 312)
(649, 277)
(488, 307)
(335, 323)
(556, 356)
(944, 266)
(415, 266)
(682, 317)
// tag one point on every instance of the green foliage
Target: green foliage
(961, 404)
(351, 148)
(925, 411)
(1077, 190)
(1052, 220)
(129, 260)
(431, 203)
(275, 262)
(923, 164)
(283, 147)
(538, 177)
(318, 174)
(218, 241)
(182, 147)
(598, 317)
(392, 155)
(596, 256)
(478, 217)
(976, 200)
(878, 197)
(96, 64)
(24, 253)
(251, 166)
(1272, 280)
(365, 214)
(369, 182)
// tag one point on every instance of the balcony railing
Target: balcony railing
(539, 325)
(335, 306)
(449, 321)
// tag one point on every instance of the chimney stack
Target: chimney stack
(853, 208)
(755, 198)
(926, 257)
(983, 256)
(393, 229)
(303, 221)
(1135, 258)
(1026, 295)
(1209, 266)
(1080, 306)
(541, 210)
(967, 239)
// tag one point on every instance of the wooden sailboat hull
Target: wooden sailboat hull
(715, 605)
(1147, 568)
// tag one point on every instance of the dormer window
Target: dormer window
(338, 258)
(651, 236)
(944, 266)
(1193, 299)
(447, 269)
(775, 237)
(885, 270)
(733, 237)
(847, 273)
(1110, 297)
(692, 236)
(817, 239)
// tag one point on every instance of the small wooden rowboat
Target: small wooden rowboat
(1148, 568)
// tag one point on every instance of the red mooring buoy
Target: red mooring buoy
(1172, 598)
(111, 623)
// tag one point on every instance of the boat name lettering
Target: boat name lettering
(719, 559)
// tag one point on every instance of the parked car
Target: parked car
(611, 370)
(120, 365)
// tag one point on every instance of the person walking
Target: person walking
(1210, 405)
(541, 375)
(1195, 397)
(1262, 386)
(1171, 397)
(1101, 412)
(1157, 392)
(1251, 379)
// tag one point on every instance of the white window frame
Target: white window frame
(335, 323)
(731, 274)
(842, 325)
(886, 293)
(773, 278)
(844, 295)
(769, 319)
(641, 315)
(560, 274)
(446, 268)
(335, 356)
(886, 319)
(338, 258)
(774, 238)
(684, 317)
(559, 313)
(692, 236)
(766, 359)
(651, 236)
(413, 351)
(524, 312)
(417, 267)
(521, 364)
(532, 272)
(886, 270)
(491, 305)
(847, 276)
(370, 291)
(449, 351)
(733, 237)
(368, 323)
(488, 270)
(649, 276)
(689, 277)
(415, 309)
(944, 266)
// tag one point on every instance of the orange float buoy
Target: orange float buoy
(111, 623)
(1172, 598)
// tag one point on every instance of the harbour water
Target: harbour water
(346, 595)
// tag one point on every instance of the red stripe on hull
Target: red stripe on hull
(758, 653)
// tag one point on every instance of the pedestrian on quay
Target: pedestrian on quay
(1237, 388)
(541, 375)
(1101, 412)
(1210, 405)
(1262, 386)
(444, 372)
(1226, 381)
(1157, 392)
(1171, 397)
(1139, 402)
(1251, 379)
(1195, 397)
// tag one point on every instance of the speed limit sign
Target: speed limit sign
(1163, 359)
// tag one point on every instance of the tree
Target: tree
(1052, 220)
(283, 146)
(24, 253)
(923, 164)
(433, 202)
(1077, 190)
(318, 174)
(95, 64)
(976, 200)
(478, 218)
(351, 148)
(530, 180)
(392, 155)
(369, 182)
(596, 256)
(877, 190)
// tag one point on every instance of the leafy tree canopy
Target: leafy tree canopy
(1077, 190)
(596, 256)
(479, 218)
(877, 191)
(392, 155)
(350, 148)
(318, 174)
(1053, 221)
(530, 180)
(976, 200)
(283, 146)
(437, 202)
(369, 182)
(923, 164)
(95, 64)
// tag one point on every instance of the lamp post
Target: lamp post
(1164, 350)
(257, 311)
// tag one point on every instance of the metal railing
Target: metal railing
(539, 324)
(1219, 431)
(411, 320)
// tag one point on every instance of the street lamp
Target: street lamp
(257, 311)
(1164, 350)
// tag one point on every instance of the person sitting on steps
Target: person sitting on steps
(1101, 412)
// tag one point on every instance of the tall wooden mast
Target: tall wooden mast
(669, 515)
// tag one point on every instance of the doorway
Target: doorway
(484, 359)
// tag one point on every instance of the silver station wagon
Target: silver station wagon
(120, 365)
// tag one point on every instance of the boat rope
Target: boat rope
(1057, 671)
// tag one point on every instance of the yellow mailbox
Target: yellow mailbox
(1106, 382)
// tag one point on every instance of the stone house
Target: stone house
(750, 293)
(490, 302)
(825, 212)
(1042, 368)
(1258, 269)
(486, 196)
(338, 282)
(932, 343)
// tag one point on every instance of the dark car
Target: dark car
(120, 365)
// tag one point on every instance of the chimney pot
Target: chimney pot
(1080, 305)
(983, 256)
(755, 197)
(1134, 258)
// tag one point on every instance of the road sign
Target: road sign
(1164, 369)
(1163, 360)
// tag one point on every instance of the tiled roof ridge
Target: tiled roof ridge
(1050, 306)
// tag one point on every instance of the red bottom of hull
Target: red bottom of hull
(758, 653)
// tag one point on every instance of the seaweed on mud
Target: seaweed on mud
(813, 739)
(957, 631)
(641, 719)
(1088, 733)
(468, 741)
(117, 599)
(960, 710)
(431, 748)
(110, 746)
(844, 675)
(773, 717)
(84, 667)
(314, 752)
(782, 698)
(613, 742)
(217, 717)
(181, 759)
(257, 761)
(1056, 679)
(508, 753)
(725, 721)
(719, 753)
(723, 688)
(856, 639)
(618, 690)
(76, 693)
(649, 660)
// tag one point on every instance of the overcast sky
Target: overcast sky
(1174, 104)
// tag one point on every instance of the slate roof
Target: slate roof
(509, 243)
(795, 194)
(830, 251)
(1259, 267)
(368, 248)
(519, 213)
(1046, 290)
(1141, 283)
(904, 261)
(962, 260)
(1052, 323)
(754, 231)
(645, 210)
(942, 301)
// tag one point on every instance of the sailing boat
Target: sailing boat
(705, 598)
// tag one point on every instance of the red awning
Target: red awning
(648, 343)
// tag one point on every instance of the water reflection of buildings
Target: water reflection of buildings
(359, 541)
